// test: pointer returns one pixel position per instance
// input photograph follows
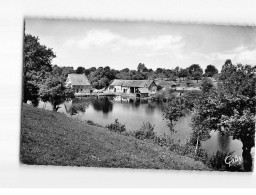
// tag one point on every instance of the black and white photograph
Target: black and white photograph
(138, 95)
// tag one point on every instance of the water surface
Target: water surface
(133, 113)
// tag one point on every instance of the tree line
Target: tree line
(43, 79)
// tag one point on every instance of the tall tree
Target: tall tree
(37, 62)
(142, 68)
(183, 73)
(194, 68)
(80, 70)
(210, 70)
(174, 109)
(230, 109)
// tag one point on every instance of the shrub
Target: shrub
(116, 127)
(158, 87)
(163, 141)
(207, 84)
(146, 131)
(217, 162)
(90, 122)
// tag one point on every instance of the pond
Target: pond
(133, 113)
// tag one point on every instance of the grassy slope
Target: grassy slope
(50, 138)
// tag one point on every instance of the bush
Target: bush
(164, 141)
(90, 122)
(207, 85)
(158, 87)
(116, 127)
(217, 162)
(146, 131)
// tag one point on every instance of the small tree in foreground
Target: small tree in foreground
(174, 109)
(230, 109)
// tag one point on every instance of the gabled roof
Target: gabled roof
(78, 79)
(132, 83)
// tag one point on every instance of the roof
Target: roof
(143, 90)
(78, 79)
(166, 83)
(132, 83)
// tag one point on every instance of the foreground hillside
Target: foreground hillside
(51, 138)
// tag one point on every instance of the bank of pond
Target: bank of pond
(133, 113)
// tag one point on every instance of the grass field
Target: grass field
(51, 138)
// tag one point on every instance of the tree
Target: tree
(159, 70)
(142, 68)
(197, 75)
(80, 70)
(194, 68)
(211, 70)
(230, 109)
(54, 91)
(195, 71)
(207, 85)
(227, 70)
(183, 73)
(37, 63)
(174, 109)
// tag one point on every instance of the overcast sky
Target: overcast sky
(121, 45)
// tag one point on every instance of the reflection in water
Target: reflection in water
(133, 113)
(104, 105)
(223, 142)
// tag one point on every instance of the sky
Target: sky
(125, 44)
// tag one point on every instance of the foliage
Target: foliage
(80, 70)
(227, 70)
(206, 85)
(116, 127)
(195, 71)
(158, 87)
(174, 109)
(78, 106)
(101, 77)
(197, 75)
(217, 162)
(146, 131)
(183, 73)
(37, 63)
(230, 109)
(210, 70)
(200, 131)
(90, 122)
(142, 68)
(62, 72)
(53, 90)
(191, 98)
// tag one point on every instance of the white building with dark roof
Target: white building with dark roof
(79, 83)
(138, 87)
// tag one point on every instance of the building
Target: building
(79, 83)
(140, 88)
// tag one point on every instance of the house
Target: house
(138, 87)
(79, 83)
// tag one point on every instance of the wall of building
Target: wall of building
(119, 89)
(81, 88)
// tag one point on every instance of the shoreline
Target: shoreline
(51, 138)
